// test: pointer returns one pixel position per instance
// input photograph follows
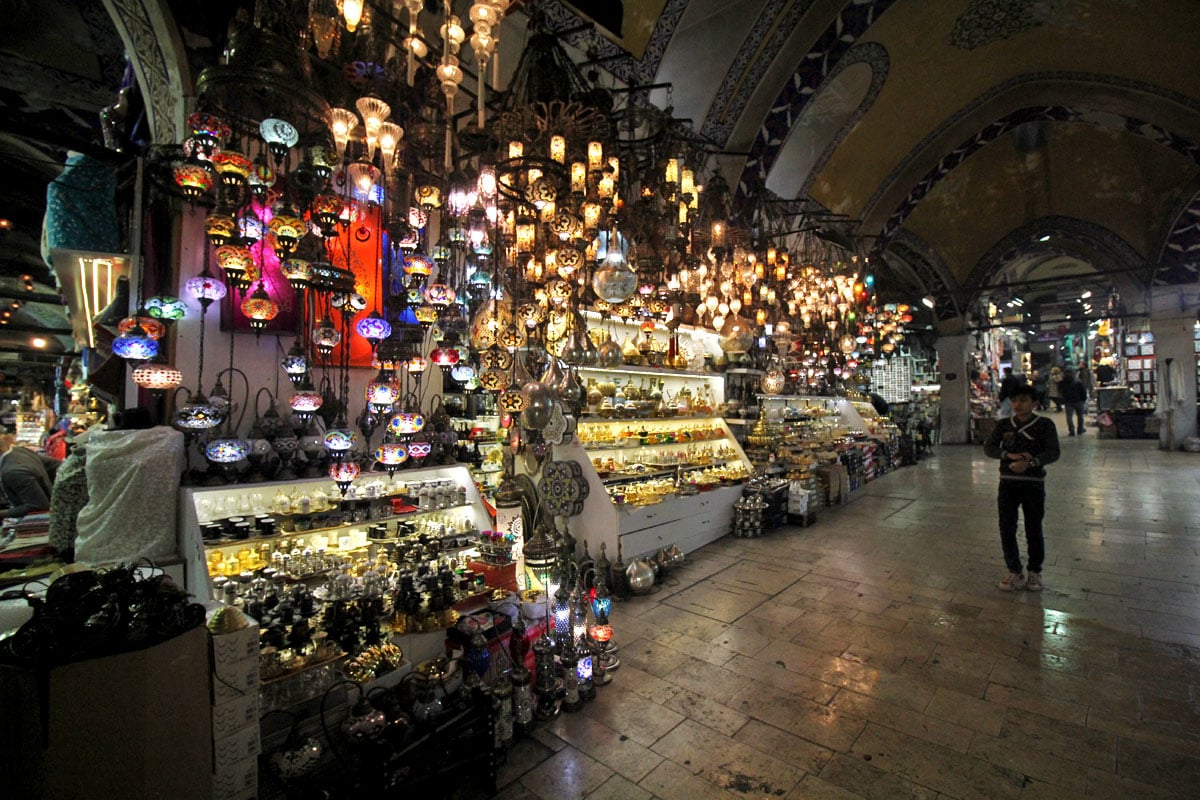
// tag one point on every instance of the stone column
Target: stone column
(955, 379)
(1172, 321)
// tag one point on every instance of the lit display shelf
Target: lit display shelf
(318, 514)
(656, 483)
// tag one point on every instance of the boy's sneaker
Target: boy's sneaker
(1013, 580)
(1034, 584)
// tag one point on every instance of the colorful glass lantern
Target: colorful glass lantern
(374, 328)
(205, 288)
(208, 131)
(288, 228)
(418, 265)
(512, 401)
(439, 294)
(325, 337)
(297, 271)
(339, 441)
(150, 326)
(280, 137)
(419, 450)
(166, 307)
(445, 358)
(197, 414)
(343, 474)
(135, 345)
(326, 208)
(251, 228)
(381, 394)
(305, 402)
(601, 602)
(261, 178)
(226, 450)
(295, 364)
(236, 262)
(426, 315)
(406, 423)
(259, 308)
(194, 180)
(157, 377)
(493, 379)
(232, 166)
(462, 372)
(391, 455)
(429, 196)
(323, 160)
(220, 228)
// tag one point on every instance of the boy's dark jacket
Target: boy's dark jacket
(1037, 436)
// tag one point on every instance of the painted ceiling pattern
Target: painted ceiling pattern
(763, 44)
(987, 21)
(1013, 120)
(617, 61)
(814, 68)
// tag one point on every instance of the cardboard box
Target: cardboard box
(233, 715)
(235, 682)
(237, 746)
(132, 725)
(236, 780)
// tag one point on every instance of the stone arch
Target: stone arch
(1097, 245)
(931, 271)
(1179, 256)
(813, 69)
(156, 51)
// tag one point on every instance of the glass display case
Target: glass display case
(305, 528)
(657, 482)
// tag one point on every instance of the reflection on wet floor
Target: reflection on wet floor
(871, 655)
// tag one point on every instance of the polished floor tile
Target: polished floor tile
(870, 655)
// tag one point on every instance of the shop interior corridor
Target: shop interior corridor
(871, 654)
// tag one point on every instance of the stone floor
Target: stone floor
(871, 655)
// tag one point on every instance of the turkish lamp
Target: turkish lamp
(194, 180)
(135, 345)
(197, 414)
(208, 131)
(343, 474)
(340, 439)
(235, 262)
(390, 135)
(233, 168)
(361, 177)
(325, 337)
(158, 377)
(381, 393)
(260, 309)
(220, 228)
(280, 136)
(305, 401)
(295, 364)
(226, 450)
(341, 122)
(166, 307)
(562, 619)
(374, 113)
(391, 455)
(205, 288)
(374, 328)
(406, 424)
(326, 209)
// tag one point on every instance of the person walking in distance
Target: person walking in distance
(1025, 443)
(1074, 397)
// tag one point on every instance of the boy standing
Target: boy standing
(1025, 443)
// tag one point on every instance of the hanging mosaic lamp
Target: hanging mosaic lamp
(339, 440)
(305, 401)
(295, 364)
(325, 337)
(381, 393)
(391, 455)
(194, 180)
(157, 377)
(236, 262)
(226, 450)
(343, 474)
(374, 328)
(197, 414)
(166, 307)
(406, 424)
(205, 288)
(260, 309)
(135, 345)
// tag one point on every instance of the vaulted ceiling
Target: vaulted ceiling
(974, 143)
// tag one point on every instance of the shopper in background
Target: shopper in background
(1040, 389)
(1025, 443)
(1007, 384)
(1074, 397)
(25, 478)
(1054, 388)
